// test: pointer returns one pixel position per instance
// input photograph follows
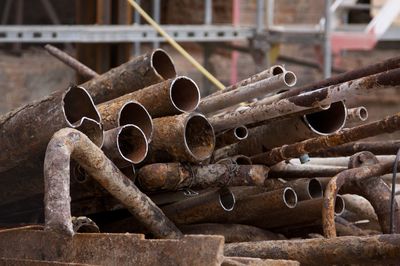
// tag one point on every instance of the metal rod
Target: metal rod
(174, 176)
(350, 249)
(327, 40)
(208, 12)
(156, 17)
(260, 16)
(387, 125)
(290, 170)
(69, 144)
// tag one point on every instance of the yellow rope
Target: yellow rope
(174, 44)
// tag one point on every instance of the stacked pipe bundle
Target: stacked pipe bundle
(138, 150)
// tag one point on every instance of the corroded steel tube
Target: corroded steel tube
(69, 144)
(71, 62)
(248, 92)
(138, 73)
(296, 129)
(169, 97)
(25, 132)
(388, 125)
(129, 112)
(272, 71)
(373, 189)
(306, 188)
(383, 66)
(306, 212)
(231, 232)
(198, 210)
(241, 160)
(125, 145)
(231, 136)
(357, 114)
(186, 137)
(173, 176)
(348, 249)
(224, 152)
(321, 97)
(348, 149)
(290, 170)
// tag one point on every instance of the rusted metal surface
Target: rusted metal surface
(290, 170)
(359, 181)
(272, 71)
(231, 136)
(80, 68)
(138, 73)
(348, 149)
(373, 250)
(306, 188)
(360, 206)
(346, 228)
(129, 112)
(225, 152)
(321, 97)
(357, 114)
(26, 131)
(185, 137)
(231, 232)
(387, 125)
(125, 145)
(248, 92)
(174, 176)
(169, 97)
(111, 249)
(70, 143)
(241, 261)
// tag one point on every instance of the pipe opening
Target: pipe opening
(241, 132)
(227, 199)
(314, 188)
(136, 114)
(328, 121)
(290, 78)
(199, 137)
(276, 70)
(77, 104)
(185, 95)
(93, 130)
(163, 64)
(290, 197)
(242, 160)
(363, 113)
(339, 205)
(132, 144)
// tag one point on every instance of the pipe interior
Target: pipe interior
(315, 189)
(227, 199)
(134, 113)
(327, 121)
(132, 144)
(163, 64)
(276, 70)
(199, 137)
(77, 104)
(290, 197)
(241, 133)
(185, 94)
(93, 130)
(290, 78)
(243, 160)
(129, 172)
(363, 113)
(339, 205)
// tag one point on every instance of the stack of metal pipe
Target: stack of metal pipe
(138, 149)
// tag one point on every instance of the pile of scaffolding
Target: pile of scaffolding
(265, 164)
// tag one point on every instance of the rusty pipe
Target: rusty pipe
(373, 189)
(306, 212)
(241, 159)
(73, 63)
(357, 114)
(224, 152)
(231, 136)
(296, 129)
(169, 97)
(248, 92)
(290, 170)
(309, 100)
(376, 249)
(140, 72)
(306, 188)
(69, 144)
(125, 145)
(173, 176)
(129, 112)
(348, 149)
(185, 137)
(386, 125)
(272, 71)
(25, 132)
